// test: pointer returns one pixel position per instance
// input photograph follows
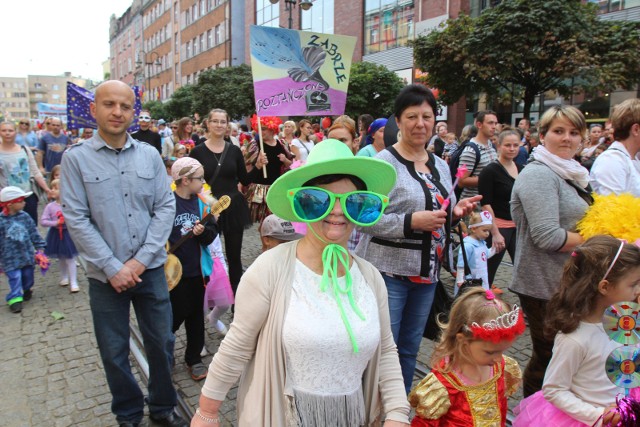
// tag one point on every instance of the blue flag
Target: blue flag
(78, 113)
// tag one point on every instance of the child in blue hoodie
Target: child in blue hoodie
(19, 240)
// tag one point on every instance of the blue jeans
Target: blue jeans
(110, 312)
(409, 306)
(20, 280)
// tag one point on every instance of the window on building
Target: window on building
(203, 5)
(189, 49)
(209, 39)
(55, 96)
(607, 6)
(194, 12)
(209, 4)
(196, 49)
(129, 65)
(187, 18)
(38, 96)
(267, 14)
(176, 40)
(36, 85)
(189, 79)
(203, 47)
(319, 18)
(176, 12)
(55, 87)
(387, 24)
(219, 34)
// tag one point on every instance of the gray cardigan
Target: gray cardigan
(404, 251)
(544, 207)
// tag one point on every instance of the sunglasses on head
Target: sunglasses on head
(311, 204)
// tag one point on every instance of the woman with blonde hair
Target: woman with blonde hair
(549, 197)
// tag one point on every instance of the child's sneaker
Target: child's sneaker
(204, 351)
(74, 288)
(220, 327)
(27, 295)
(16, 307)
(64, 282)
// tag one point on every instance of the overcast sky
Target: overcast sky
(51, 37)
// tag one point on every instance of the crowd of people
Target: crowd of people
(356, 231)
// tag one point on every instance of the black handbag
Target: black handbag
(440, 309)
(467, 283)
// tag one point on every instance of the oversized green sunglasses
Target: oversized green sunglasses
(311, 204)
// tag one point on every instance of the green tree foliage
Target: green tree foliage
(229, 88)
(181, 103)
(156, 108)
(529, 47)
(372, 90)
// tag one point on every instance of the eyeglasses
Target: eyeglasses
(174, 127)
(218, 122)
(201, 178)
(145, 118)
(24, 123)
(311, 204)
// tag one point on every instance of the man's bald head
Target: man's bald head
(113, 109)
(111, 86)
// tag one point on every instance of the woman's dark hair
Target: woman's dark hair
(578, 293)
(331, 178)
(365, 121)
(412, 95)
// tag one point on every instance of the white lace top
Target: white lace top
(324, 375)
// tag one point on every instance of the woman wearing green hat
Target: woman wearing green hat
(311, 340)
(408, 244)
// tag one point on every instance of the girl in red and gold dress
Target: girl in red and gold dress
(471, 378)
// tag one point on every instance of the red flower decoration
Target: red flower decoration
(270, 122)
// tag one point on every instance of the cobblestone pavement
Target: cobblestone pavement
(51, 373)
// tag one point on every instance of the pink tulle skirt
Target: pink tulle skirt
(535, 408)
(218, 292)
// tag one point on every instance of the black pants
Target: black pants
(536, 311)
(509, 235)
(187, 300)
(233, 251)
(31, 207)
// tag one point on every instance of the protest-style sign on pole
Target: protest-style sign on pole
(264, 167)
(79, 115)
(300, 73)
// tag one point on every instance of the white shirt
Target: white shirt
(575, 381)
(304, 148)
(321, 365)
(614, 171)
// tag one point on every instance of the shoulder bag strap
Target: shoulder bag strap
(467, 271)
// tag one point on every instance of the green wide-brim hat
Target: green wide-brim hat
(330, 157)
